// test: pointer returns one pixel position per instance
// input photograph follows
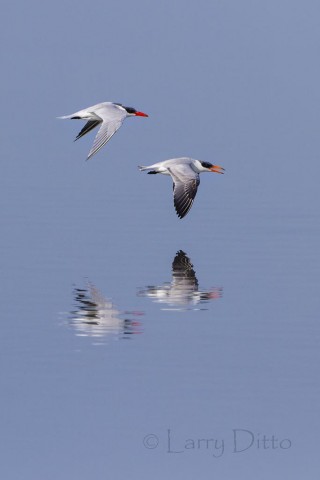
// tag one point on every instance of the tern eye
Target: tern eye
(206, 164)
(130, 109)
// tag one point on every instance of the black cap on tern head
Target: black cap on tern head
(132, 111)
(206, 164)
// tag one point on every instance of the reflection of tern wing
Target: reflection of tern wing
(97, 316)
(86, 307)
(99, 299)
(93, 305)
(183, 289)
(183, 274)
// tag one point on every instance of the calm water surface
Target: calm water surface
(137, 345)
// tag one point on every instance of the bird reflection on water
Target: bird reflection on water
(96, 316)
(182, 293)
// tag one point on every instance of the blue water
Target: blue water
(109, 352)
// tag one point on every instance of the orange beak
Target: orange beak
(217, 169)
(141, 114)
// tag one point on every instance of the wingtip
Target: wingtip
(92, 153)
(180, 215)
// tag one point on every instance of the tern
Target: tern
(185, 175)
(108, 116)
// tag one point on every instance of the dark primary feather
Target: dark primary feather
(90, 125)
(184, 195)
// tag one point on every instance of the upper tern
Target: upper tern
(109, 116)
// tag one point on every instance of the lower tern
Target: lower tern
(108, 116)
(185, 175)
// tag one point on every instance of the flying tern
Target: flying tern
(185, 175)
(108, 116)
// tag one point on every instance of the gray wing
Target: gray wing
(185, 186)
(106, 131)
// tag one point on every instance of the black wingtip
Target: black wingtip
(183, 209)
(181, 214)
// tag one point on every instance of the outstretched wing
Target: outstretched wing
(106, 131)
(185, 186)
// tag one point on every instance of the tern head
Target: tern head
(132, 112)
(208, 167)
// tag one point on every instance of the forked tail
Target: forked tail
(147, 168)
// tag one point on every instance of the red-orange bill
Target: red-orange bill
(141, 114)
(217, 169)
